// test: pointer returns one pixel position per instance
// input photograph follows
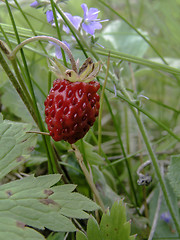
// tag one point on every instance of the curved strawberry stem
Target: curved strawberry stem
(12, 54)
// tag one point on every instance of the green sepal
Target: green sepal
(87, 72)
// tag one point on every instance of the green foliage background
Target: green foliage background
(143, 38)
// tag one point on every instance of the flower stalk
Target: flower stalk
(88, 177)
(12, 54)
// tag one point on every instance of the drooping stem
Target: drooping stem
(12, 55)
(88, 177)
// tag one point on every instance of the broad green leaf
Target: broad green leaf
(15, 145)
(173, 173)
(123, 38)
(13, 229)
(93, 231)
(56, 236)
(80, 236)
(32, 201)
(114, 225)
(72, 204)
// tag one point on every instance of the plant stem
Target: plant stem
(80, 40)
(29, 23)
(132, 104)
(21, 82)
(58, 29)
(123, 151)
(154, 162)
(101, 106)
(15, 83)
(138, 60)
(88, 176)
(45, 38)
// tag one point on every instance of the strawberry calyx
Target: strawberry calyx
(87, 72)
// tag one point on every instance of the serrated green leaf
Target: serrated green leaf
(173, 173)
(114, 225)
(93, 231)
(15, 145)
(73, 204)
(33, 202)
(80, 236)
(12, 229)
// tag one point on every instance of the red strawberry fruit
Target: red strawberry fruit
(73, 103)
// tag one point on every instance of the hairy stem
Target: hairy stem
(88, 177)
(45, 38)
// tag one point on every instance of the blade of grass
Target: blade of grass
(29, 24)
(153, 158)
(73, 30)
(164, 105)
(129, 10)
(123, 151)
(138, 60)
(15, 83)
(58, 30)
(135, 29)
(130, 103)
(51, 160)
(101, 107)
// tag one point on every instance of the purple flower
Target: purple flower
(35, 4)
(91, 22)
(49, 16)
(166, 216)
(75, 20)
(58, 51)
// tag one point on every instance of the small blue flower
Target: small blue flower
(166, 216)
(75, 20)
(49, 16)
(35, 4)
(58, 51)
(91, 22)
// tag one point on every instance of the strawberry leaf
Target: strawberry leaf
(81, 236)
(32, 201)
(113, 226)
(12, 229)
(93, 230)
(15, 145)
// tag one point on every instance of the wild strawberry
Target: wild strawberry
(73, 103)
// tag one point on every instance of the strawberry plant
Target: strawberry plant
(89, 116)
